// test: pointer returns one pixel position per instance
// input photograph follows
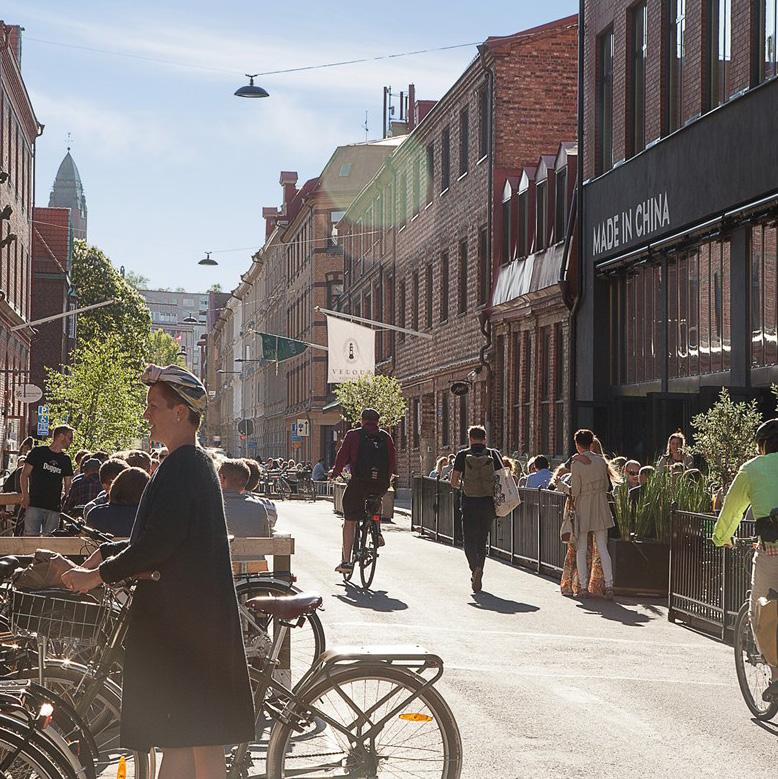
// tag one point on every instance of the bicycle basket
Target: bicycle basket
(57, 616)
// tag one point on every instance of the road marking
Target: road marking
(517, 634)
(573, 693)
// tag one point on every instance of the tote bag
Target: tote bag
(506, 493)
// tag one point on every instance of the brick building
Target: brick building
(437, 248)
(678, 232)
(19, 129)
(52, 264)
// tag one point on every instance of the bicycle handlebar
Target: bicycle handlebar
(81, 528)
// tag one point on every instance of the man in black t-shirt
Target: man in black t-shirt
(45, 480)
(474, 470)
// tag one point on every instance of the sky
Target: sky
(172, 163)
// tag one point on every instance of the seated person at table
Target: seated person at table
(246, 514)
(109, 470)
(118, 515)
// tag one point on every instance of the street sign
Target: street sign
(295, 434)
(246, 427)
(43, 421)
(253, 444)
(29, 393)
(297, 444)
(303, 428)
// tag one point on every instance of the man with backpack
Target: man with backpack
(369, 453)
(474, 471)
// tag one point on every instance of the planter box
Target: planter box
(640, 567)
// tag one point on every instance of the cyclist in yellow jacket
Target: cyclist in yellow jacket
(756, 485)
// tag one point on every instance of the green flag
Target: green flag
(278, 348)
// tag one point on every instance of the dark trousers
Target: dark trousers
(477, 517)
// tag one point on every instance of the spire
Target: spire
(68, 192)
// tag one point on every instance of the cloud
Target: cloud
(109, 133)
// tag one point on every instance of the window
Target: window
(463, 419)
(559, 390)
(415, 302)
(560, 218)
(513, 392)
(638, 76)
(719, 51)
(401, 309)
(526, 391)
(605, 102)
(540, 216)
(676, 58)
(445, 422)
(430, 181)
(462, 290)
(445, 159)
(767, 33)
(764, 295)
(403, 199)
(464, 140)
(415, 423)
(522, 246)
(416, 186)
(444, 291)
(483, 121)
(428, 296)
(484, 268)
(345, 169)
(506, 230)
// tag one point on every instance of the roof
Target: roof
(67, 190)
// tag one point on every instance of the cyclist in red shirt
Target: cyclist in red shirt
(370, 455)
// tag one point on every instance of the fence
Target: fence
(708, 585)
(528, 537)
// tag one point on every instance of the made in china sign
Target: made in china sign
(641, 221)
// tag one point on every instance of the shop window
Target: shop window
(444, 290)
(719, 51)
(464, 140)
(462, 280)
(676, 59)
(525, 445)
(764, 295)
(559, 390)
(639, 36)
(445, 159)
(515, 362)
(604, 133)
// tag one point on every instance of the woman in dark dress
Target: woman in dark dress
(186, 686)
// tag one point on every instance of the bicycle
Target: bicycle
(358, 712)
(753, 673)
(366, 542)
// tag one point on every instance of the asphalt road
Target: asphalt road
(541, 685)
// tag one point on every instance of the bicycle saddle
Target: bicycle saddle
(286, 606)
(7, 566)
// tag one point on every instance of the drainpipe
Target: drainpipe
(572, 415)
(484, 322)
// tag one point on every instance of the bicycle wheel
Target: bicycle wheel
(307, 642)
(101, 717)
(753, 673)
(420, 739)
(38, 758)
(369, 558)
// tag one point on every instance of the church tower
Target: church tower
(68, 192)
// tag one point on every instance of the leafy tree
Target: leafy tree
(215, 287)
(163, 349)
(724, 436)
(100, 395)
(383, 393)
(129, 320)
(137, 280)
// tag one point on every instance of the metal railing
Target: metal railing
(708, 585)
(528, 537)
(323, 488)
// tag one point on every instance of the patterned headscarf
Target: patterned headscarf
(186, 385)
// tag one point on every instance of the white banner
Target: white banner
(351, 351)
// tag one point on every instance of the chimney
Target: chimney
(411, 107)
(270, 215)
(288, 180)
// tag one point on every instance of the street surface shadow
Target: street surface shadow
(770, 727)
(614, 611)
(488, 602)
(376, 600)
